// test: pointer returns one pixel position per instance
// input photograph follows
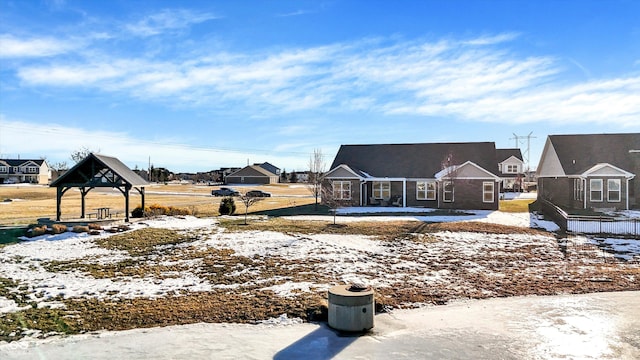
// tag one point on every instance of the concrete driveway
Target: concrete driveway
(592, 326)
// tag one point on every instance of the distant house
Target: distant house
(511, 168)
(24, 171)
(597, 171)
(270, 168)
(432, 175)
(252, 174)
(301, 176)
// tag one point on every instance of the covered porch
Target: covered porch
(384, 192)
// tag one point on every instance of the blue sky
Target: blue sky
(198, 85)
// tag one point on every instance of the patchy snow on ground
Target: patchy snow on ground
(332, 258)
(495, 217)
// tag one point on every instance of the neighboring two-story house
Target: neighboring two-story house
(24, 171)
(593, 171)
(511, 169)
(432, 175)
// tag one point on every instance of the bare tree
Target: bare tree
(316, 169)
(60, 166)
(450, 169)
(80, 154)
(248, 201)
(330, 198)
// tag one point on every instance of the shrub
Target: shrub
(138, 212)
(93, 226)
(155, 210)
(80, 229)
(37, 230)
(227, 206)
(58, 228)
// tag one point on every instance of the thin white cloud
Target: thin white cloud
(13, 47)
(492, 39)
(56, 142)
(168, 20)
(295, 13)
(473, 79)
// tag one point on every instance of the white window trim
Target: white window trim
(578, 189)
(444, 192)
(484, 183)
(426, 190)
(379, 195)
(619, 191)
(591, 191)
(512, 169)
(341, 189)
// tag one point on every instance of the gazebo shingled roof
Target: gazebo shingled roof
(97, 170)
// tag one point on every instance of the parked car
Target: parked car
(258, 193)
(225, 191)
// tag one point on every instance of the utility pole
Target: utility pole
(525, 154)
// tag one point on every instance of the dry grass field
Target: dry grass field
(28, 203)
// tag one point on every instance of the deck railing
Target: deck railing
(600, 225)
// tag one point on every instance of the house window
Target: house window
(447, 191)
(613, 190)
(32, 169)
(426, 190)
(578, 189)
(512, 169)
(487, 192)
(4, 169)
(342, 190)
(381, 189)
(595, 190)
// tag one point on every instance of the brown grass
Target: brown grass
(33, 202)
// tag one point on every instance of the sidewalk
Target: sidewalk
(592, 326)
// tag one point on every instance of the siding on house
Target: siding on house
(591, 171)
(252, 174)
(390, 173)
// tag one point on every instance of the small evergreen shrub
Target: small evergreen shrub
(227, 206)
(138, 212)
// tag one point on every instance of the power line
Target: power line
(519, 140)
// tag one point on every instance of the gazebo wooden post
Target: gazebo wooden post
(58, 200)
(82, 195)
(127, 187)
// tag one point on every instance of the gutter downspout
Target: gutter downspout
(584, 193)
(627, 195)
(404, 193)
(438, 192)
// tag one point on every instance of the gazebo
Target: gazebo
(99, 171)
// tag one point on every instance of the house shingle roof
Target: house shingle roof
(504, 154)
(578, 153)
(18, 162)
(414, 160)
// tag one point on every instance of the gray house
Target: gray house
(432, 175)
(252, 174)
(511, 169)
(595, 171)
